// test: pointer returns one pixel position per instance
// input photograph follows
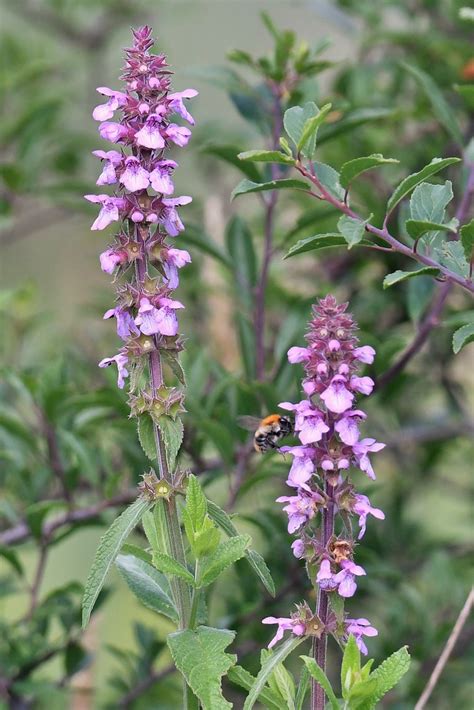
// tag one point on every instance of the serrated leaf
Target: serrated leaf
(266, 156)
(410, 182)
(196, 503)
(462, 336)
(128, 549)
(109, 546)
(241, 677)
(166, 564)
(417, 228)
(281, 681)
(319, 675)
(254, 559)
(247, 186)
(398, 275)
(205, 540)
(441, 108)
(388, 674)
(148, 585)
(307, 141)
(149, 528)
(467, 239)
(350, 666)
(353, 168)
(267, 668)
(294, 122)
(172, 435)
(200, 656)
(225, 555)
(352, 230)
(146, 435)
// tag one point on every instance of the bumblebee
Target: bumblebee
(268, 431)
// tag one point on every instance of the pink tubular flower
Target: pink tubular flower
(337, 397)
(284, 624)
(363, 508)
(150, 135)
(361, 450)
(365, 354)
(345, 579)
(309, 422)
(301, 508)
(134, 177)
(160, 177)
(359, 628)
(178, 134)
(125, 323)
(347, 427)
(112, 160)
(176, 104)
(364, 385)
(154, 320)
(298, 548)
(110, 259)
(325, 578)
(298, 355)
(107, 110)
(109, 211)
(169, 217)
(302, 467)
(121, 361)
(175, 259)
(113, 132)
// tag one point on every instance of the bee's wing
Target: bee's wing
(249, 423)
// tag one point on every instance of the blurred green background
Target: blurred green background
(54, 54)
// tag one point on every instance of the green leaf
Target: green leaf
(171, 359)
(428, 202)
(294, 121)
(146, 435)
(351, 120)
(225, 555)
(320, 676)
(352, 230)
(282, 683)
(172, 435)
(239, 244)
(350, 666)
(417, 228)
(12, 558)
(247, 186)
(166, 564)
(451, 255)
(321, 241)
(266, 156)
(353, 168)
(200, 656)
(149, 528)
(467, 239)
(205, 540)
(388, 674)
(329, 178)
(196, 503)
(307, 142)
(410, 182)
(441, 108)
(241, 677)
(195, 237)
(268, 667)
(148, 585)
(398, 275)
(139, 552)
(303, 687)
(254, 559)
(463, 336)
(231, 154)
(109, 546)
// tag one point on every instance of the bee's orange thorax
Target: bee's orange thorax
(271, 419)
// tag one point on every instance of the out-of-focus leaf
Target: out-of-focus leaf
(358, 117)
(463, 336)
(246, 186)
(266, 156)
(467, 239)
(398, 276)
(232, 154)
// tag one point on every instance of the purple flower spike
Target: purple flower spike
(134, 177)
(121, 361)
(284, 624)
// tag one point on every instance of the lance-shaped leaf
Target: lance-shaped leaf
(224, 555)
(441, 108)
(149, 586)
(321, 241)
(200, 656)
(387, 675)
(467, 240)
(109, 547)
(168, 565)
(244, 679)
(231, 154)
(319, 675)
(254, 559)
(268, 667)
(350, 667)
(247, 186)
(196, 503)
(146, 435)
(410, 182)
(463, 336)
(303, 687)
(172, 435)
(353, 168)
(266, 156)
(398, 275)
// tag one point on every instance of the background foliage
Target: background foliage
(68, 454)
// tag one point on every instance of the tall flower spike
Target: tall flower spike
(328, 427)
(141, 173)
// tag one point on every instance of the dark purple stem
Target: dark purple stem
(270, 204)
(318, 696)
